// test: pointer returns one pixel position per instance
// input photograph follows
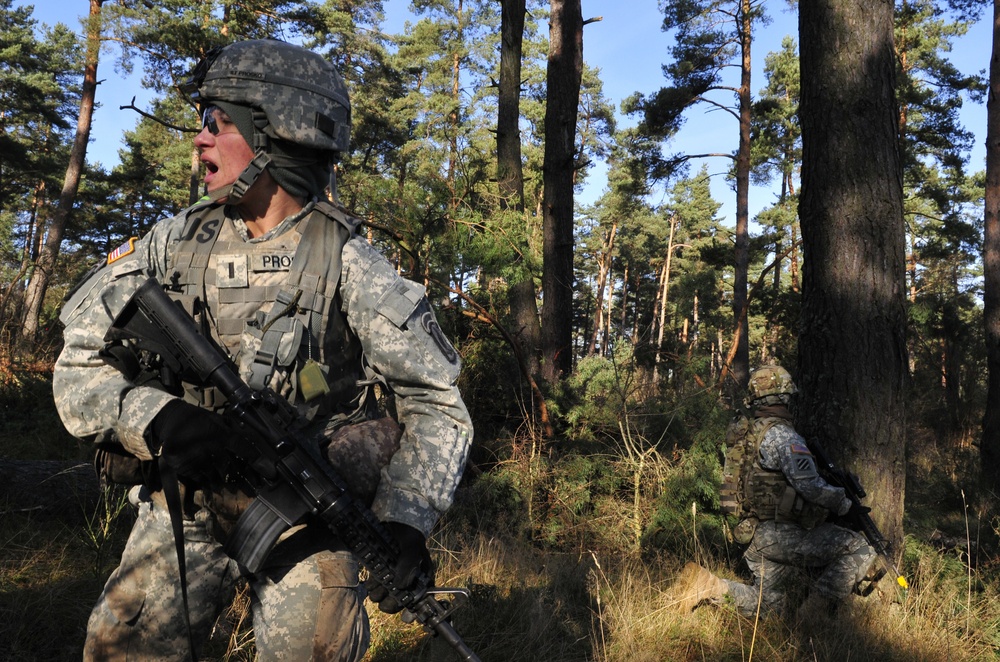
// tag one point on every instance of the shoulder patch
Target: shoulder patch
(125, 249)
(799, 447)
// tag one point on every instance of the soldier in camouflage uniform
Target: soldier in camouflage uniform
(303, 305)
(772, 484)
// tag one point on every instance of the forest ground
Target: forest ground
(577, 599)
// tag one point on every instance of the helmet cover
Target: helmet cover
(770, 380)
(304, 98)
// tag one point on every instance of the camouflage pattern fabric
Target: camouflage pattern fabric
(770, 380)
(303, 95)
(780, 552)
(784, 449)
(307, 603)
(359, 452)
(314, 597)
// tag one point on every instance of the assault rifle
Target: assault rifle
(858, 517)
(291, 484)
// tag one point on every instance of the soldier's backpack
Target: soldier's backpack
(743, 437)
(751, 493)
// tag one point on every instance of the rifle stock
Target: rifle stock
(858, 516)
(291, 484)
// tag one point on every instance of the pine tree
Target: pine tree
(852, 370)
(45, 264)
(710, 36)
(562, 102)
(39, 92)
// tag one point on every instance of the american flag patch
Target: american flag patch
(125, 249)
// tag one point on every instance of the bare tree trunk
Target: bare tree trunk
(510, 176)
(610, 301)
(453, 116)
(565, 67)
(852, 347)
(522, 296)
(524, 308)
(741, 362)
(603, 269)
(625, 300)
(989, 449)
(794, 259)
(35, 295)
(664, 290)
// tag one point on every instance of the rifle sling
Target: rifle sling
(172, 495)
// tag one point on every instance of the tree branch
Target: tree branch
(157, 119)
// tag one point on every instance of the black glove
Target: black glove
(857, 511)
(191, 440)
(414, 560)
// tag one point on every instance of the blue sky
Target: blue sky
(628, 47)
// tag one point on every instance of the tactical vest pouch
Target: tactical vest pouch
(743, 532)
(793, 508)
(357, 452)
(730, 496)
(360, 451)
(226, 503)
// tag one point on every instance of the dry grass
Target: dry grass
(541, 605)
(47, 588)
(530, 606)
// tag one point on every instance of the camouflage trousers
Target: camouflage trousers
(307, 604)
(784, 556)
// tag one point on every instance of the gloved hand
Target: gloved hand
(857, 511)
(413, 560)
(191, 440)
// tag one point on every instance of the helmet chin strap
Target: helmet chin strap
(234, 192)
(257, 166)
(261, 159)
(250, 174)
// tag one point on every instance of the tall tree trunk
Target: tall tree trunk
(563, 74)
(989, 449)
(510, 175)
(624, 314)
(603, 273)
(664, 291)
(610, 302)
(194, 179)
(35, 295)
(453, 116)
(741, 363)
(522, 296)
(852, 346)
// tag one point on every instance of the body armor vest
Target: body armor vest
(274, 306)
(753, 493)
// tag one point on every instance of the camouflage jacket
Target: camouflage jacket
(784, 450)
(388, 315)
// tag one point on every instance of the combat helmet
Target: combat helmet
(770, 384)
(296, 95)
